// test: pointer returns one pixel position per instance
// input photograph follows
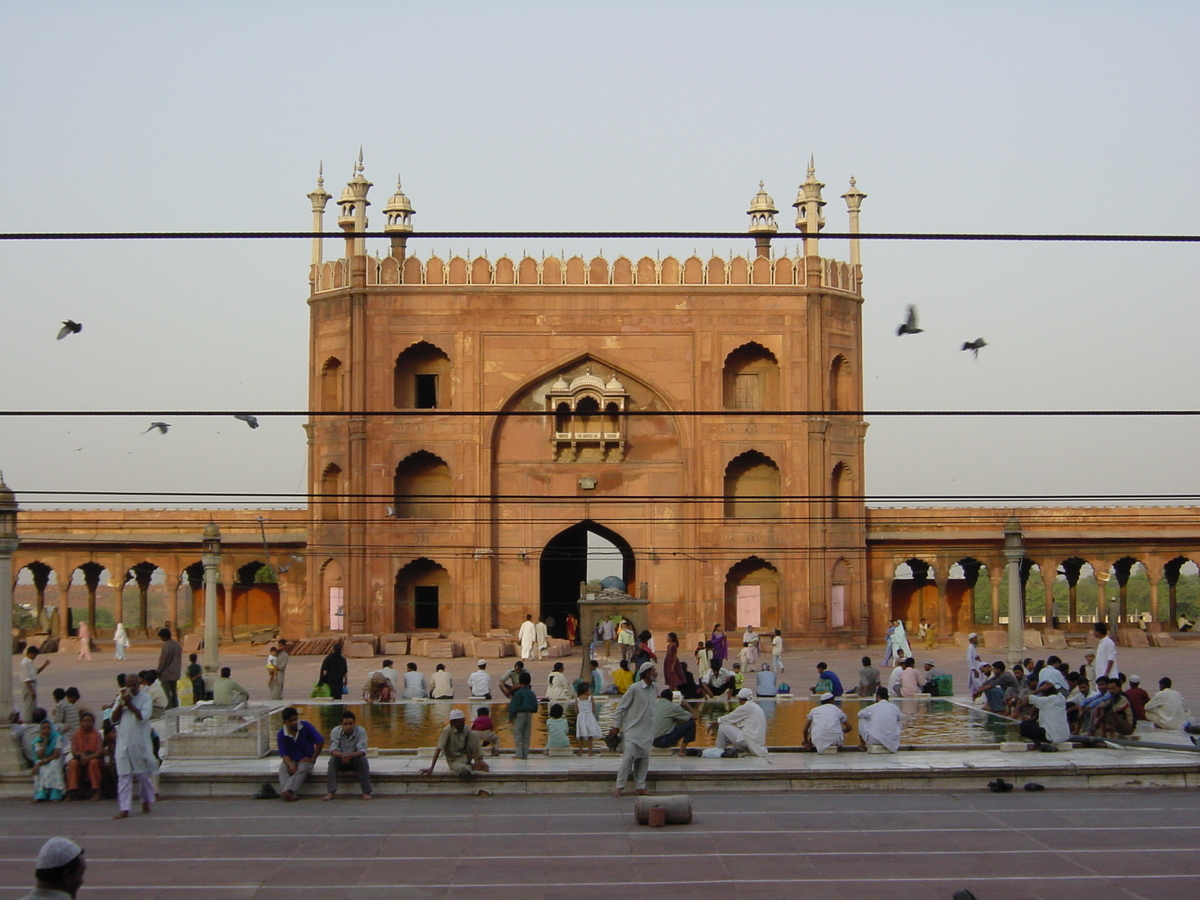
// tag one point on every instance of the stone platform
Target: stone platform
(918, 770)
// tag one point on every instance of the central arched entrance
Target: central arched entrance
(584, 551)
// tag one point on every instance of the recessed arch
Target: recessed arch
(751, 378)
(838, 615)
(841, 488)
(420, 588)
(421, 378)
(423, 487)
(333, 593)
(840, 384)
(563, 565)
(752, 487)
(330, 499)
(331, 384)
(752, 588)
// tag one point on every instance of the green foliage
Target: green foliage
(265, 575)
(1137, 596)
(23, 617)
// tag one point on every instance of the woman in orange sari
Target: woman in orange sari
(87, 750)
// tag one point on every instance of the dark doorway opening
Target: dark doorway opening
(426, 390)
(425, 606)
(564, 566)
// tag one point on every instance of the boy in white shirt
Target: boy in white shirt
(777, 652)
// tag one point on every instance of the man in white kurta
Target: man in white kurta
(975, 676)
(827, 724)
(135, 750)
(1106, 652)
(879, 723)
(744, 729)
(541, 642)
(1166, 709)
(634, 719)
(527, 637)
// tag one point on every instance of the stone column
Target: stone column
(995, 576)
(118, 574)
(228, 576)
(1049, 576)
(1103, 611)
(171, 583)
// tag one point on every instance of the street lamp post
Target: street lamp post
(8, 546)
(211, 557)
(1014, 552)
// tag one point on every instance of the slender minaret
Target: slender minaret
(319, 198)
(762, 221)
(808, 205)
(854, 198)
(399, 213)
(354, 209)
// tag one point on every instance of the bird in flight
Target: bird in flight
(161, 426)
(250, 420)
(69, 327)
(909, 326)
(975, 346)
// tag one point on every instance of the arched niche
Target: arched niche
(331, 384)
(421, 378)
(329, 501)
(751, 378)
(420, 589)
(752, 487)
(423, 487)
(752, 589)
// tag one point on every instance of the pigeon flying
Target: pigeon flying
(248, 419)
(161, 426)
(909, 325)
(69, 327)
(975, 346)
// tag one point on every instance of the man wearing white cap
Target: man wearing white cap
(975, 676)
(879, 722)
(826, 726)
(462, 748)
(634, 719)
(480, 682)
(59, 873)
(744, 729)
(135, 749)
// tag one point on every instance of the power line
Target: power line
(604, 235)
(525, 413)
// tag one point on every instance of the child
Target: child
(272, 669)
(195, 675)
(703, 656)
(777, 652)
(556, 729)
(487, 731)
(739, 679)
(586, 726)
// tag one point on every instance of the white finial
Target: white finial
(359, 165)
(812, 165)
(321, 173)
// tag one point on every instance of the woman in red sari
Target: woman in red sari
(87, 751)
(672, 670)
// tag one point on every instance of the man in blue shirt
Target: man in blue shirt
(299, 746)
(824, 672)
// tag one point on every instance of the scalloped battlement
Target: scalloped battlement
(550, 271)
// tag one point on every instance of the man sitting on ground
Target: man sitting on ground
(622, 676)
(744, 729)
(868, 678)
(1113, 716)
(480, 682)
(414, 684)
(765, 683)
(879, 723)
(226, 691)
(442, 687)
(348, 753)
(1137, 697)
(824, 673)
(1166, 709)
(931, 675)
(826, 725)
(718, 682)
(673, 722)
(512, 679)
(910, 678)
(993, 689)
(462, 748)
(1051, 728)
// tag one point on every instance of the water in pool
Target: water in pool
(411, 724)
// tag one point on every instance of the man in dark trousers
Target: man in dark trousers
(170, 666)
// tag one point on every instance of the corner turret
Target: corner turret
(762, 213)
(354, 203)
(399, 213)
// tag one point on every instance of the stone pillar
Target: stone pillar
(995, 576)
(228, 577)
(118, 574)
(940, 583)
(1049, 576)
(1103, 612)
(1154, 624)
(171, 582)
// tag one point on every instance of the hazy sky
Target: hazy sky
(1021, 117)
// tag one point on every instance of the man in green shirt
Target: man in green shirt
(226, 691)
(521, 708)
(461, 747)
(673, 722)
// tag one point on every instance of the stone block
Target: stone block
(192, 642)
(1133, 637)
(958, 639)
(876, 748)
(1054, 640)
(360, 650)
(1014, 747)
(393, 637)
(396, 648)
(1032, 638)
(425, 752)
(993, 639)
(560, 751)
(1162, 639)
(488, 649)
(1065, 746)
(440, 650)
(828, 751)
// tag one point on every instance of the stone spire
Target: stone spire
(762, 221)
(354, 205)
(809, 218)
(854, 198)
(319, 198)
(399, 213)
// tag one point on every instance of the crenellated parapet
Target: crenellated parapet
(551, 271)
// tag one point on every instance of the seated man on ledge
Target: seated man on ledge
(673, 722)
(463, 749)
(826, 726)
(744, 729)
(879, 723)
(299, 746)
(348, 753)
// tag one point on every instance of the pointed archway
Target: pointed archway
(564, 565)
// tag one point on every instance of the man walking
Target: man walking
(170, 666)
(348, 753)
(527, 637)
(635, 719)
(299, 745)
(281, 661)
(135, 748)
(521, 708)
